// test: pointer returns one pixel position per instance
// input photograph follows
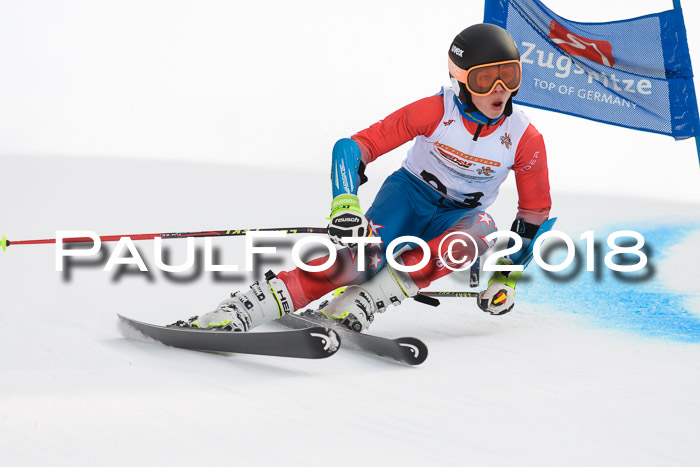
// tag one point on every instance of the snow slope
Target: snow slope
(552, 383)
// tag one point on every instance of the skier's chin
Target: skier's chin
(494, 110)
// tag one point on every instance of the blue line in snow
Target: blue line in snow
(646, 307)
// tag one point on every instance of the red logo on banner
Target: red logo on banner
(598, 51)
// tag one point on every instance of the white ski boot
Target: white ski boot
(244, 311)
(356, 305)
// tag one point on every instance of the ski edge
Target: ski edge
(290, 343)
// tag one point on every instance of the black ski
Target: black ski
(312, 342)
(404, 349)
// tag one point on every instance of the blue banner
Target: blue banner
(634, 73)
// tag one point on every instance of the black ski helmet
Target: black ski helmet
(481, 44)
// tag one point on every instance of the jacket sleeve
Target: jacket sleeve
(532, 178)
(419, 118)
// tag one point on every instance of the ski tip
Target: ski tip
(3, 243)
(415, 350)
(124, 321)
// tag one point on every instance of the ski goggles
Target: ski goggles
(482, 79)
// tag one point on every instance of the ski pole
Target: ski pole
(428, 297)
(450, 294)
(4, 243)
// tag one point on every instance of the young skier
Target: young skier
(466, 139)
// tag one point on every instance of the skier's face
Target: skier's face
(492, 105)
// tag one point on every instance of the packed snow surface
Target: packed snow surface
(588, 368)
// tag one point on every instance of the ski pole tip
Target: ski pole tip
(3, 243)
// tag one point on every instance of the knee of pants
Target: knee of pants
(462, 242)
(473, 229)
